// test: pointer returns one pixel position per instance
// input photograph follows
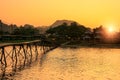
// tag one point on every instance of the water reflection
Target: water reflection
(75, 64)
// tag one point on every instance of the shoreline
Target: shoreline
(76, 45)
(91, 46)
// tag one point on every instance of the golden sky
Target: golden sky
(91, 13)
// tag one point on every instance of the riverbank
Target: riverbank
(72, 44)
(93, 45)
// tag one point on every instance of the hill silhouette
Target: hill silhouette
(60, 22)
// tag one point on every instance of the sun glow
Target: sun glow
(111, 29)
(111, 32)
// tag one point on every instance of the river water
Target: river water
(75, 64)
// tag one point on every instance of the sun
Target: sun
(111, 29)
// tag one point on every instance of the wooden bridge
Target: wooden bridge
(17, 56)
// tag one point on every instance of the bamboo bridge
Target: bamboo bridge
(17, 56)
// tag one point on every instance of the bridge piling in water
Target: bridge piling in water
(16, 56)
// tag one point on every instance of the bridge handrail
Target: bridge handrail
(21, 43)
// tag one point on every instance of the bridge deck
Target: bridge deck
(22, 43)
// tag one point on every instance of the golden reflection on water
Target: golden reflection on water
(75, 64)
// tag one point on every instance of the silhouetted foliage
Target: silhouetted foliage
(6, 29)
(76, 30)
(26, 30)
(67, 31)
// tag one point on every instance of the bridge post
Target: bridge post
(16, 59)
(3, 55)
(30, 54)
(24, 52)
(36, 51)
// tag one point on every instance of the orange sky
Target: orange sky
(90, 13)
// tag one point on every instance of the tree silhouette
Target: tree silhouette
(26, 30)
(72, 31)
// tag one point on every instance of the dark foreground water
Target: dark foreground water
(75, 64)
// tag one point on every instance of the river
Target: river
(75, 64)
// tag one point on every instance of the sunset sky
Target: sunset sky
(91, 13)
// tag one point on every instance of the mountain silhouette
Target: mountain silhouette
(60, 22)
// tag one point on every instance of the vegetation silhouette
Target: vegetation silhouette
(13, 29)
(73, 32)
(65, 31)
(25, 30)
(81, 34)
